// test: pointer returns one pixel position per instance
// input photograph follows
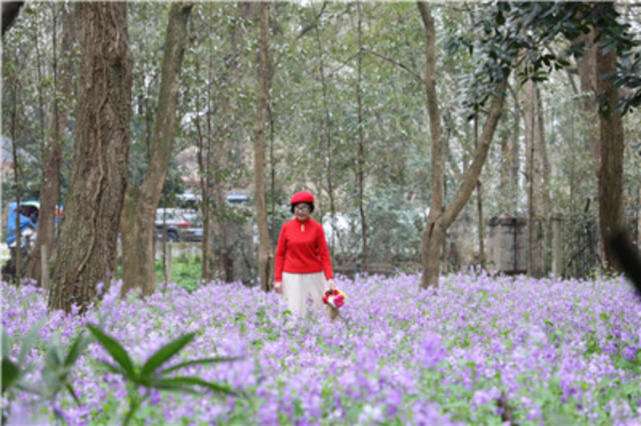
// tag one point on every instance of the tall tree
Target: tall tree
(479, 201)
(611, 141)
(537, 172)
(575, 21)
(360, 158)
(327, 149)
(515, 163)
(265, 251)
(53, 141)
(219, 128)
(86, 254)
(586, 67)
(440, 216)
(203, 154)
(139, 209)
(225, 139)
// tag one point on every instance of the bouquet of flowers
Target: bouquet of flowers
(334, 298)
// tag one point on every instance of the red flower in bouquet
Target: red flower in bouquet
(334, 298)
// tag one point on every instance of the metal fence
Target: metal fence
(571, 244)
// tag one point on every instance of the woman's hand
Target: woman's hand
(332, 285)
(278, 286)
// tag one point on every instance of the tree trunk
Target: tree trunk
(139, 212)
(272, 175)
(505, 176)
(86, 253)
(536, 178)
(361, 145)
(588, 78)
(18, 261)
(52, 147)
(207, 177)
(440, 218)
(515, 161)
(587, 68)
(611, 170)
(327, 151)
(265, 252)
(221, 136)
(638, 221)
(479, 201)
(205, 183)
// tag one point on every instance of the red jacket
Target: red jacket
(302, 249)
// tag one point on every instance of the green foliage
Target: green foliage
(542, 22)
(150, 375)
(186, 271)
(59, 360)
(13, 372)
(475, 44)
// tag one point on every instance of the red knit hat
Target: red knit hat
(302, 197)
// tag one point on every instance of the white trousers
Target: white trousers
(304, 291)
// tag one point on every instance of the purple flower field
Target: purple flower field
(478, 350)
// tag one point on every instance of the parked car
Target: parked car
(28, 217)
(29, 214)
(178, 224)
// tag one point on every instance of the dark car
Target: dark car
(178, 225)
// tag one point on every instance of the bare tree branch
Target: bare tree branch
(390, 60)
(314, 23)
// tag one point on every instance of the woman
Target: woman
(302, 267)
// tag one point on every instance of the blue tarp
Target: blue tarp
(25, 222)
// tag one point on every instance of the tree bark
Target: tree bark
(265, 252)
(207, 176)
(88, 238)
(536, 178)
(479, 201)
(439, 217)
(587, 68)
(361, 144)
(18, 261)
(515, 161)
(588, 78)
(139, 211)
(612, 143)
(204, 182)
(52, 147)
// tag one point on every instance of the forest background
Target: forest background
(385, 111)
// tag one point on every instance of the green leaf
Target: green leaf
(174, 387)
(51, 380)
(73, 394)
(193, 381)
(112, 368)
(52, 357)
(163, 354)
(78, 346)
(115, 349)
(29, 341)
(5, 344)
(201, 361)
(10, 374)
